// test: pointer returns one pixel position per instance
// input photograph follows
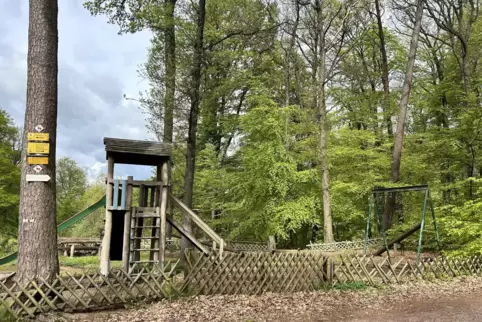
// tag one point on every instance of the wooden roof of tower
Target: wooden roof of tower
(137, 151)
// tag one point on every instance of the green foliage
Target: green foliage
(71, 184)
(9, 176)
(461, 227)
(257, 158)
(91, 225)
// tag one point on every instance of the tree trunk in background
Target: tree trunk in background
(289, 54)
(385, 79)
(169, 97)
(402, 115)
(323, 123)
(193, 120)
(37, 234)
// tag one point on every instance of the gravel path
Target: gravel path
(457, 300)
(445, 309)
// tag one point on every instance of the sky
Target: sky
(96, 68)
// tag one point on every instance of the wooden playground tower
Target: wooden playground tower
(126, 225)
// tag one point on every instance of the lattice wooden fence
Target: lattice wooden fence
(346, 245)
(255, 273)
(244, 246)
(235, 273)
(379, 270)
(88, 291)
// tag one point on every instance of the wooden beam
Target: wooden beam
(186, 234)
(195, 218)
(406, 234)
(105, 252)
(127, 226)
(137, 147)
(163, 213)
(77, 240)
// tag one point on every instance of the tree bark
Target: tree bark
(193, 120)
(322, 121)
(402, 115)
(169, 97)
(289, 54)
(37, 234)
(385, 79)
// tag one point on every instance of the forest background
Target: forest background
(283, 116)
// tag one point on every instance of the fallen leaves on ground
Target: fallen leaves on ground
(333, 305)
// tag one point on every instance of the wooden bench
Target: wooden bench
(81, 246)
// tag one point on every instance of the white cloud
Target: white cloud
(96, 67)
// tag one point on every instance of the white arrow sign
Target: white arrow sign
(37, 177)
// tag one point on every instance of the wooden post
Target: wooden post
(72, 250)
(105, 253)
(221, 248)
(127, 226)
(170, 209)
(271, 243)
(163, 210)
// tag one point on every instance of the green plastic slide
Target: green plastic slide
(64, 225)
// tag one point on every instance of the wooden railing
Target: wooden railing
(218, 242)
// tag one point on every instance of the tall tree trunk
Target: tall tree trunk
(289, 54)
(193, 120)
(169, 97)
(37, 234)
(323, 123)
(402, 115)
(385, 79)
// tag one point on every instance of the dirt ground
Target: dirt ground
(457, 300)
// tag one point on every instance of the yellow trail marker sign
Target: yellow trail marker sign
(38, 160)
(38, 148)
(32, 136)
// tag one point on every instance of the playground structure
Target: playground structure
(374, 211)
(127, 225)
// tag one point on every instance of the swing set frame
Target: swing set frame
(374, 210)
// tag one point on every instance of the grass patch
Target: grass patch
(84, 261)
(5, 316)
(352, 286)
(10, 267)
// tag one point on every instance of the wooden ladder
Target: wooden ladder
(144, 218)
